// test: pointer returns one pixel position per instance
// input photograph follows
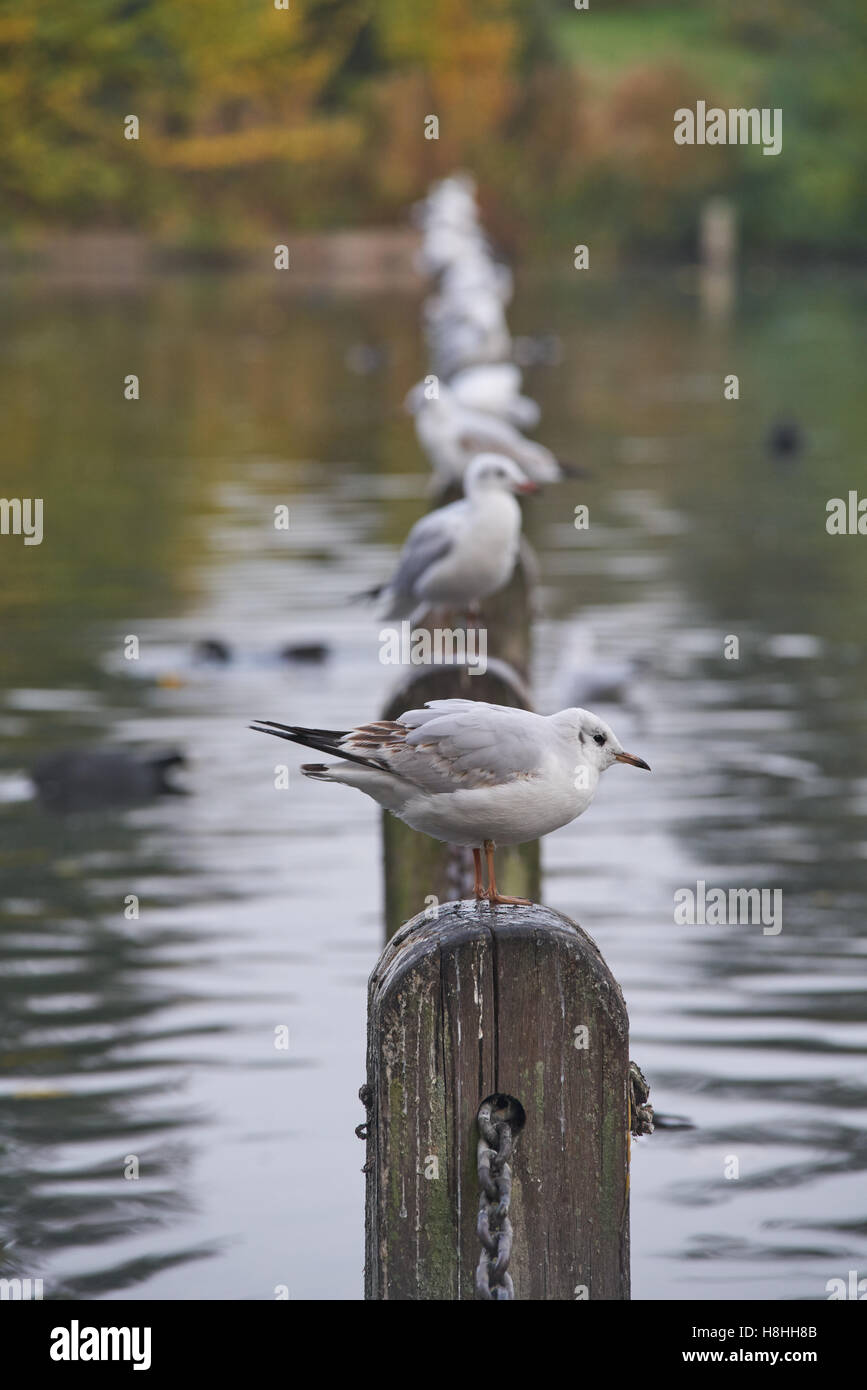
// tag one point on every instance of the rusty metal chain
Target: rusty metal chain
(365, 1095)
(499, 1119)
(640, 1112)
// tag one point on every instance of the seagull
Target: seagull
(606, 682)
(463, 552)
(468, 334)
(470, 773)
(444, 244)
(452, 434)
(449, 220)
(495, 388)
(473, 273)
(585, 678)
(452, 199)
(449, 203)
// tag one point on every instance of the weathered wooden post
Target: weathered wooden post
(717, 253)
(416, 867)
(513, 1006)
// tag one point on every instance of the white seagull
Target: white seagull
(463, 552)
(474, 273)
(470, 773)
(461, 335)
(495, 388)
(452, 434)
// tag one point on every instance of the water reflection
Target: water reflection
(155, 1035)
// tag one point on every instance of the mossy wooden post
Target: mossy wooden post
(417, 868)
(476, 1002)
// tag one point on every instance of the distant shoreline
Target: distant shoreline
(365, 260)
(371, 259)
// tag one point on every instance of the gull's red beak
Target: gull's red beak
(631, 758)
(527, 487)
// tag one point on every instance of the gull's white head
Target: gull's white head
(495, 473)
(598, 745)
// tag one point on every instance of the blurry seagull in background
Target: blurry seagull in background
(495, 388)
(465, 551)
(451, 434)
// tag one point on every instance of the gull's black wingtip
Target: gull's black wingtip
(287, 731)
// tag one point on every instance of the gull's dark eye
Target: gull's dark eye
(599, 738)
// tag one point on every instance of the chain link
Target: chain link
(499, 1119)
(640, 1112)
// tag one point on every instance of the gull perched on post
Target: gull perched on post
(495, 388)
(465, 551)
(470, 773)
(452, 434)
(472, 330)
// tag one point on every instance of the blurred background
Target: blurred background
(255, 119)
(153, 1036)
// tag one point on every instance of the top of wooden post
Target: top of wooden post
(450, 925)
(467, 1003)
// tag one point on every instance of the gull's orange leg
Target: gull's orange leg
(494, 898)
(479, 888)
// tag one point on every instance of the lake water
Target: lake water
(153, 1039)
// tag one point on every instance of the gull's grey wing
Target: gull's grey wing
(467, 743)
(447, 746)
(485, 434)
(428, 542)
(478, 436)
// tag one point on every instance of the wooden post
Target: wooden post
(718, 252)
(417, 868)
(476, 1002)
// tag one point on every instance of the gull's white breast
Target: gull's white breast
(483, 556)
(524, 808)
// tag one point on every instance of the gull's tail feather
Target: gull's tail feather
(297, 734)
(368, 595)
(573, 470)
(323, 740)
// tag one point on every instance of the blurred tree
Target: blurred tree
(254, 118)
